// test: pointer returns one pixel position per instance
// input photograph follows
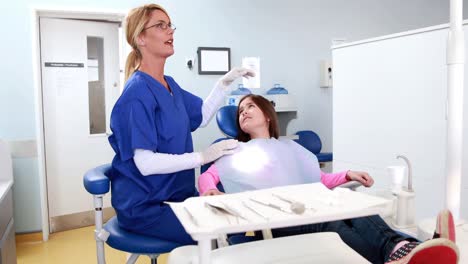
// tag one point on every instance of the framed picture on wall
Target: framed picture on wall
(213, 61)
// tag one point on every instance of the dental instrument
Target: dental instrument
(255, 211)
(295, 206)
(217, 211)
(274, 206)
(234, 211)
(225, 209)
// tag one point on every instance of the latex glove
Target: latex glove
(218, 149)
(360, 176)
(231, 76)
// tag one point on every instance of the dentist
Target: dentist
(152, 123)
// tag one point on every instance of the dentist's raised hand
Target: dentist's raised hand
(218, 149)
(225, 81)
(217, 95)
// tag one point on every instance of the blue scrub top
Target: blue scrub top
(147, 116)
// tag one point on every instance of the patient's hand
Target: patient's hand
(360, 176)
(212, 192)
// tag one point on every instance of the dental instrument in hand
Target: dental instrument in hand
(255, 211)
(274, 206)
(194, 220)
(296, 207)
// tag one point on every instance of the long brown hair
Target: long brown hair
(135, 23)
(268, 111)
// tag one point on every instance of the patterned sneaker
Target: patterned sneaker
(439, 250)
(445, 227)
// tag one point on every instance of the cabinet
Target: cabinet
(7, 227)
(7, 230)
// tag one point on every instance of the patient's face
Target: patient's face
(251, 117)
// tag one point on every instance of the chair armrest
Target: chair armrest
(352, 185)
(95, 180)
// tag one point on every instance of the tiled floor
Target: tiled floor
(71, 247)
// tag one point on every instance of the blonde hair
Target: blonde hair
(135, 24)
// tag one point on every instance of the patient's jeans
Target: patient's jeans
(370, 236)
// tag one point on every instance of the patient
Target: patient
(264, 161)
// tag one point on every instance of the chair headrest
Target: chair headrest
(226, 119)
(309, 140)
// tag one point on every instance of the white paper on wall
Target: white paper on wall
(252, 63)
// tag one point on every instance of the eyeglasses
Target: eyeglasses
(162, 26)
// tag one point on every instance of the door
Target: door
(80, 84)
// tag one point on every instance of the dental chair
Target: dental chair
(97, 183)
(261, 248)
(227, 124)
(250, 249)
(311, 141)
(226, 120)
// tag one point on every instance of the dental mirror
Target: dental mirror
(296, 207)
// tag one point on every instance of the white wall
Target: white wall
(390, 99)
(290, 38)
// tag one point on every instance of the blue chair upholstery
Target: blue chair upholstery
(97, 183)
(226, 119)
(311, 141)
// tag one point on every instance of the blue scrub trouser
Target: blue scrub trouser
(168, 228)
(370, 236)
